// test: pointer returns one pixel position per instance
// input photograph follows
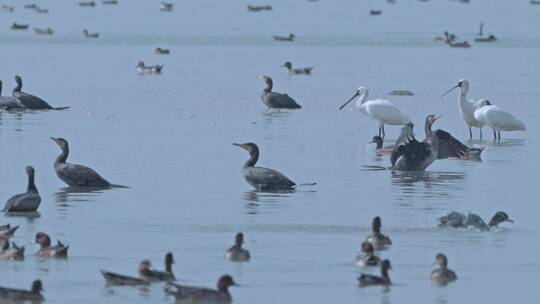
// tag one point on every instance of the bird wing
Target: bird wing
(384, 110)
(186, 292)
(118, 279)
(407, 146)
(449, 146)
(23, 202)
(160, 275)
(267, 176)
(453, 219)
(83, 175)
(503, 119)
(282, 100)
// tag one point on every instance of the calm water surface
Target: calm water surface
(169, 138)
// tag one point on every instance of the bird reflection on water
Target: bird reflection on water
(76, 194)
(436, 184)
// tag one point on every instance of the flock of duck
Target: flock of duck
(406, 154)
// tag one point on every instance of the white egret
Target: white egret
(466, 108)
(497, 118)
(381, 110)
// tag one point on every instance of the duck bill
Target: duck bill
(510, 220)
(450, 90)
(348, 101)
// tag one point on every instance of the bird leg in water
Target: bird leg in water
(470, 132)
(480, 132)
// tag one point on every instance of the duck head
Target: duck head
(225, 282)
(367, 248)
(43, 240)
(441, 260)
(498, 218)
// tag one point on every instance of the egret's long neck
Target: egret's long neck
(63, 156)
(254, 156)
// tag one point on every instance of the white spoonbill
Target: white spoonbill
(381, 110)
(466, 108)
(496, 118)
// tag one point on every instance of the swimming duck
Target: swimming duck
(87, 34)
(166, 7)
(401, 93)
(379, 149)
(463, 44)
(258, 8)
(158, 276)
(47, 31)
(112, 278)
(236, 253)
(87, 3)
(203, 295)
(372, 280)
(375, 12)
(46, 250)
(460, 220)
(368, 258)
(482, 38)
(7, 8)
(19, 295)
(376, 238)
(36, 8)
(76, 175)
(7, 253)
(290, 37)
(297, 71)
(262, 178)
(442, 275)
(30, 101)
(8, 103)
(25, 202)
(6, 231)
(18, 27)
(162, 51)
(275, 100)
(151, 69)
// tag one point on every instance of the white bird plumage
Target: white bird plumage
(385, 112)
(466, 108)
(497, 118)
